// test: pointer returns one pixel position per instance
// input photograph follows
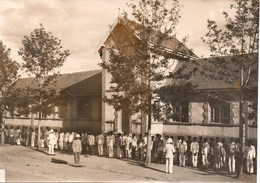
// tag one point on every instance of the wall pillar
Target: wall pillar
(190, 112)
(234, 113)
(206, 113)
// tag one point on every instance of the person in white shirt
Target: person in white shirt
(194, 148)
(52, 141)
(92, 144)
(110, 144)
(66, 141)
(100, 143)
(61, 139)
(169, 155)
(128, 141)
(182, 151)
(249, 155)
(205, 152)
(134, 145)
(71, 138)
(217, 153)
(33, 137)
(56, 133)
(231, 156)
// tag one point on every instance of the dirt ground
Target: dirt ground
(26, 164)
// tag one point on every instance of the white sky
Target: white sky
(83, 24)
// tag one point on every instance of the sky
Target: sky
(83, 25)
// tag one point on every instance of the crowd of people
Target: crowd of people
(220, 154)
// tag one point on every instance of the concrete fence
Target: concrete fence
(27, 122)
(201, 130)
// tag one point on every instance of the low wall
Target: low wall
(201, 130)
(27, 122)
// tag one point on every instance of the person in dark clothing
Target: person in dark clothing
(200, 152)
(159, 149)
(189, 141)
(211, 152)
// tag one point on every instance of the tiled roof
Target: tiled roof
(63, 81)
(171, 43)
(194, 71)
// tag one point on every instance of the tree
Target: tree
(239, 40)
(8, 75)
(43, 56)
(140, 65)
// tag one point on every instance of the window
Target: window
(220, 113)
(84, 107)
(179, 112)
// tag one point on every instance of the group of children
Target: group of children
(213, 153)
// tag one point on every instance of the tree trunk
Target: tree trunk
(39, 131)
(242, 137)
(2, 137)
(148, 151)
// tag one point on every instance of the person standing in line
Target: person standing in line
(56, 133)
(110, 144)
(71, 138)
(250, 156)
(18, 141)
(91, 144)
(61, 139)
(85, 143)
(182, 151)
(127, 145)
(231, 156)
(52, 141)
(11, 136)
(100, 143)
(77, 148)
(200, 151)
(237, 154)
(134, 145)
(123, 143)
(33, 137)
(211, 153)
(223, 152)
(145, 145)
(169, 154)
(159, 149)
(140, 146)
(119, 146)
(194, 150)
(217, 153)
(46, 136)
(205, 151)
(66, 141)
(189, 152)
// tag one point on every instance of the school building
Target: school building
(197, 113)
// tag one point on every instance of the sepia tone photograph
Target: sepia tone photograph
(129, 90)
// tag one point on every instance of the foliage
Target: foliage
(8, 68)
(43, 56)
(8, 75)
(239, 39)
(141, 65)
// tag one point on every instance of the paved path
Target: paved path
(25, 164)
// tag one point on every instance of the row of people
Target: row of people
(197, 152)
